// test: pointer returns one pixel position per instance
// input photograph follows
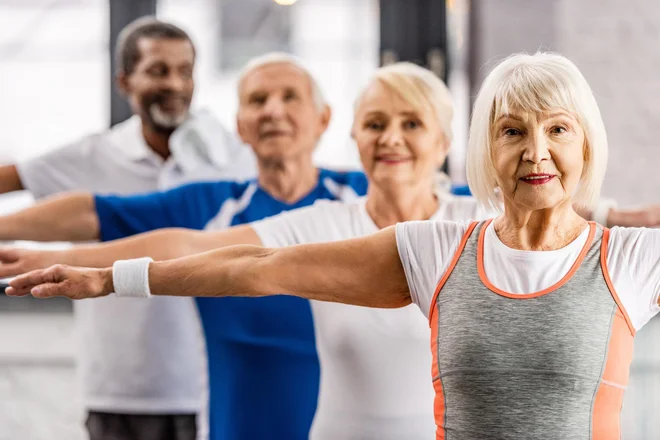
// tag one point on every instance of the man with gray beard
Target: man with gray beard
(140, 379)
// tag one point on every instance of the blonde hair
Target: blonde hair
(420, 88)
(535, 83)
(283, 58)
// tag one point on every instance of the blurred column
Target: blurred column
(415, 31)
(122, 12)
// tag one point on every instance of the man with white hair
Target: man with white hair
(262, 355)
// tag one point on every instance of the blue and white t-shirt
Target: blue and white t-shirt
(263, 366)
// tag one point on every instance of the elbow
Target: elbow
(89, 228)
(401, 301)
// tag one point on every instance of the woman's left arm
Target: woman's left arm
(363, 271)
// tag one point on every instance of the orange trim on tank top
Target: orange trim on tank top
(557, 285)
(608, 280)
(450, 269)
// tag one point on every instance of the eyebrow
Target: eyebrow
(372, 113)
(518, 118)
(556, 114)
(509, 116)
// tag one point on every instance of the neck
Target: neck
(157, 140)
(288, 180)
(539, 230)
(388, 206)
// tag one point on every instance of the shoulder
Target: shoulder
(355, 180)
(436, 233)
(217, 188)
(629, 240)
(462, 208)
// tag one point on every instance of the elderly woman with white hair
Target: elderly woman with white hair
(532, 314)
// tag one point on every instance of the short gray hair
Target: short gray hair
(283, 58)
(535, 83)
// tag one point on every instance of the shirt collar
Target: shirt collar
(128, 138)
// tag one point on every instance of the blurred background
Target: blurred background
(56, 86)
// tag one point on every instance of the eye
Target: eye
(374, 125)
(290, 95)
(558, 129)
(257, 99)
(187, 72)
(411, 124)
(511, 132)
(157, 71)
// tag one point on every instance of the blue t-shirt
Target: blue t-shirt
(461, 190)
(263, 367)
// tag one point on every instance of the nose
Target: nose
(537, 148)
(392, 136)
(176, 82)
(274, 108)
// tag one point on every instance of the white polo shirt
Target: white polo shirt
(135, 356)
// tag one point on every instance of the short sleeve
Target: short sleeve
(426, 249)
(633, 262)
(189, 206)
(305, 225)
(56, 171)
(280, 230)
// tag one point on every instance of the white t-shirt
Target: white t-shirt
(135, 356)
(633, 261)
(375, 363)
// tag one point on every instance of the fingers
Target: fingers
(47, 290)
(29, 282)
(50, 290)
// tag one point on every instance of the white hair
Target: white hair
(535, 83)
(283, 58)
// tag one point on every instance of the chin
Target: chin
(164, 120)
(540, 203)
(394, 178)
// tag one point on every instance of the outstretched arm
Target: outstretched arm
(364, 271)
(163, 244)
(68, 217)
(609, 215)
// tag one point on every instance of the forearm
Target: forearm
(163, 244)
(644, 217)
(231, 271)
(70, 217)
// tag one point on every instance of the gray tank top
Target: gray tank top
(546, 365)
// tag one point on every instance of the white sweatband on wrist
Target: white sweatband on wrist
(602, 210)
(131, 277)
